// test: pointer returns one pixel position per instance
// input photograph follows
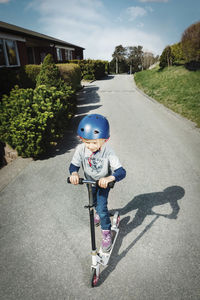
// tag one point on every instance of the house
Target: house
(20, 46)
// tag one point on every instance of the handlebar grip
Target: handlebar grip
(80, 180)
(111, 184)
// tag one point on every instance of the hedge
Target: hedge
(71, 74)
(92, 69)
(25, 77)
(32, 120)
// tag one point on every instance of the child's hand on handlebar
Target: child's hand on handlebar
(103, 182)
(74, 178)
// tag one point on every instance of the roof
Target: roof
(26, 32)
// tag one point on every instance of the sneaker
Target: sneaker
(106, 241)
(96, 220)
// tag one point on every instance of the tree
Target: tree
(119, 55)
(166, 58)
(135, 58)
(191, 43)
(148, 60)
(177, 53)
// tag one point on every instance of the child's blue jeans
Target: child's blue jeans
(100, 200)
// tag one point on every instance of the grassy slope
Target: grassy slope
(175, 87)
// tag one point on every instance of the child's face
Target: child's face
(93, 145)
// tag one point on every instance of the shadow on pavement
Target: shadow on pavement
(144, 205)
(87, 100)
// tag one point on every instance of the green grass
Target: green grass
(175, 87)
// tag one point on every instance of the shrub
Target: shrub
(88, 70)
(92, 69)
(99, 69)
(49, 74)
(31, 120)
(71, 74)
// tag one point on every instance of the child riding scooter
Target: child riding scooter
(99, 162)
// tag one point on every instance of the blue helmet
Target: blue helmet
(93, 127)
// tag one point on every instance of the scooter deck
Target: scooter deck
(105, 256)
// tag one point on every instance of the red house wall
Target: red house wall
(22, 50)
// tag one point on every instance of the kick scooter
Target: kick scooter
(98, 258)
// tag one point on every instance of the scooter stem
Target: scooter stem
(91, 214)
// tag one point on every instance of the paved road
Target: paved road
(44, 232)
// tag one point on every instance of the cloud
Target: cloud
(145, 1)
(77, 9)
(135, 11)
(87, 23)
(4, 1)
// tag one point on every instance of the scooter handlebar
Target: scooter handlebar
(82, 181)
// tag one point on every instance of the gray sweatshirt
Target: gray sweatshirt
(98, 164)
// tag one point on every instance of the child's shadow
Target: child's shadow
(144, 205)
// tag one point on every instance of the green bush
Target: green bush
(49, 74)
(88, 72)
(32, 120)
(71, 74)
(92, 69)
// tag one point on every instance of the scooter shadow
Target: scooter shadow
(144, 205)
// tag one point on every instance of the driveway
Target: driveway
(44, 228)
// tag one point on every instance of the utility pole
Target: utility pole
(117, 71)
(130, 69)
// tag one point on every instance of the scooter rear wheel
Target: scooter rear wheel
(94, 278)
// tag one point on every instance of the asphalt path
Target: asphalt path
(44, 228)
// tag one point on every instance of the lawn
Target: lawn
(175, 87)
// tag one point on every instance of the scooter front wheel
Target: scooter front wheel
(116, 219)
(94, 278)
